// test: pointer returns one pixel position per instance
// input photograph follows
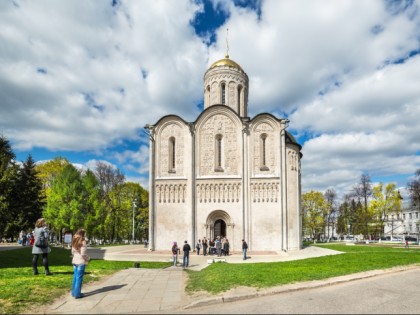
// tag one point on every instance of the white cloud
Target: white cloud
(84, 76)
(80, 76)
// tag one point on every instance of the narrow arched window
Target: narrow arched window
(223, 87)
(208, 95)
(171, 155)
(238, 97)
(218, 153)
(263, 152)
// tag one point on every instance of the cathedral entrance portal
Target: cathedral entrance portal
(220, 228)
(219, 223)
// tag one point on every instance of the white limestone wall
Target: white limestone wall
(173, 215)
(232, 78)
(293, 198)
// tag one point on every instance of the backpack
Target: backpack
(42, 241)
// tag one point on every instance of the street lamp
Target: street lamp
(134, 208)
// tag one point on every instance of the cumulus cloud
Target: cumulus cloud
(86, 76)
(81, 76)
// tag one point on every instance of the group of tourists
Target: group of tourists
(26, 238)
(186, 251)
(78, 250)
(218, 246)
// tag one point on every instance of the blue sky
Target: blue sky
(82, 79)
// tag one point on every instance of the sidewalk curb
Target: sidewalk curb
(232, 297)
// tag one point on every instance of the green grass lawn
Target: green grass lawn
(221, 277)
(21, 290)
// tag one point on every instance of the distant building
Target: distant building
(405, 223)
(225, 174)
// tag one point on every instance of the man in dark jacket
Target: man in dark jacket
(244, 248)
(186, 249)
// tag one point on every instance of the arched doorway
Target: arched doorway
(219, 223)
(220, 228)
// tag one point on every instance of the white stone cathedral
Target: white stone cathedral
(225, 174)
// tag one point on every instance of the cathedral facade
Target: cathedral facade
(225, 174)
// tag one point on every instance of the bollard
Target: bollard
(136, 265)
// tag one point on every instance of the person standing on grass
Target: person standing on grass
(175, 252)
(79, 261)
(41, 230)
(244, 248)
(186, 249)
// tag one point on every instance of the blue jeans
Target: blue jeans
(244, 253)
(175, 259)
(185, 260)
(76, 286)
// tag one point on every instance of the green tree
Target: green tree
(65, 207)
(363, 191)
(8, 182)
(315, 210)
(385, 201)
(93, 204)
(110, 181)
(28, 200)
(47, 172)
(330, 198)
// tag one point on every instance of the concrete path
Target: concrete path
(138, 290)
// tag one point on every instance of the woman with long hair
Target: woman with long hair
(80, 260)
(41, 232)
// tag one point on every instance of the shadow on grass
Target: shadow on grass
(105, 289)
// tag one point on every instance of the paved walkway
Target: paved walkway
(138, 290)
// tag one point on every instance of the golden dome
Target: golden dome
(226, 62)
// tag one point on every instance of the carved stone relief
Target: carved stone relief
(220, 192)
(171, 130)
(266, 191)
(171, 192)
(223, 125)
(270, 147)
(293, 160)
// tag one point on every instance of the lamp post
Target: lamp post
(134, 208)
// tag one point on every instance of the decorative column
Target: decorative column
(193, 188)
(152, 197)
(283, 160)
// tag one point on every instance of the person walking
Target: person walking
(79, 261)
(175, 252)
(41, 247)
(204, 246)
(186, 249)
(198, 246)
(244, 248)
(406, 244)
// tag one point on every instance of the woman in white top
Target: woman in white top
(80, 260)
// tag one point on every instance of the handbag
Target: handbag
(42, 241)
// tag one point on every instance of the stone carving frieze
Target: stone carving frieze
(171, 192)
(218, 192)
(293, 160)
(265, 191)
